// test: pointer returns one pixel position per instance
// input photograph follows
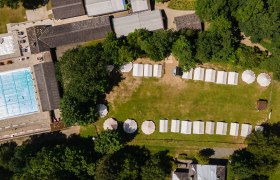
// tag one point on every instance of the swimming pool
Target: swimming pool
(17, 94)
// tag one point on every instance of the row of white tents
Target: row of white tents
(198, 127)
(147, 70)
(211, 75)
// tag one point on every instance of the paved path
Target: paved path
(37, 14)
(223, 152)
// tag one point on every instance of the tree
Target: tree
(9, 3)
(182, 50)
(204, 155)
(108, 142)
(209, 10)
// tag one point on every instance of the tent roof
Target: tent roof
(198, 127)
(233, 78)
(234, 129)
(130, 126)
(148, 127)
(221, 128)
(210, 125)
(110, 124)
(198, 74)
(263, 79)
(102, 110)
(175, 125)
(210, 75)
(138, 70)
(248, 76)
(188, 75)
(221, 77)
(157, 70)
(163, 125)
(186, 127)
(148, 70)
(246, 129)
(126, 67)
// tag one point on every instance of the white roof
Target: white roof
(248, 76)
(263, 79)
(210, 125)
(210, 75)
(175, 125)
(148, 127)
(7, 46)
(221, 77)
(102, 110)
(258, 128)
(110, 124)
(150, 20)
(206, 172)
(148, 70)
(186, 127)
(198, 127)
(221, 128)
(198, 74)
(129, 126)
(188, 75)
(140, 5)
(163, 125)
(138, 70)
(246, 129)
(234, 128)
(157, 70)
(126, 67)
(233, 78)
(98, 7)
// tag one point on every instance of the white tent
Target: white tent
(148, 127)
(233, 78)
(186, 127)
(248, 76)
(198, 74)
(221, 77)
(221, 128)
(246, 129)
(148, 70)
(258, 128)
(234, 128)
(210, 75)
(157, 70)
(188, 75)
(163, 125)
(175, 125)
(210, 125)
(129, 126)
(264, 79)
(126, 67)
(138, 70)
(198, 127)
(110, 124)
(102, 110)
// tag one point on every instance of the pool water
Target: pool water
(17, 94)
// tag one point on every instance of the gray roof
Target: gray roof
(63, 9)
(150, 20)
(140, 5)
(43, 38)
(190, 21)
(99, 7)
(47, 86)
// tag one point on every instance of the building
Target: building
(150, 20)
(100, 7)
(63, 9)
(43, 38)
(9, 46)
(140, 5)
(190, 21)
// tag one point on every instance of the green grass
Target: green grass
(182, 4)
(93, 42)
(8, 15)
(88, 131)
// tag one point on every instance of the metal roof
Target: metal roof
(140, 5)
(63, 9)
(98, 7)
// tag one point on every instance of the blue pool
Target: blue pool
(17, 94)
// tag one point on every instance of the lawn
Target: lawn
(8, 15)
(182, 4)
(152, 99)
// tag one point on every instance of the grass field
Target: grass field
(182, 4)
(152, 99)
(8, 15)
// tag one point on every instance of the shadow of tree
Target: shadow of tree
(33, 4)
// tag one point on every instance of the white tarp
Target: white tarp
(129, 126)
(163, 125)
(221, 128)
(258, 128)
(148, 127)
(175, 125)
(221, 77)
(138, 70)
(102, 110)
(126, 67)
(246, 129)
(233, 78)
(157, 70)
(148, 70)
(188, 75)
(263, 79)
(206, 172)
(210, 125)
(110, 124)
(7, 46)
(234, 129)
(198, 127)
(198, 74)
(186, 127)
(210, 75)
(248, 76)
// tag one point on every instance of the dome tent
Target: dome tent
(102, 110)
(110, 124)
(263, 79)
(148, 127)
(126, 67)
(248, 76)
(130, 126)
